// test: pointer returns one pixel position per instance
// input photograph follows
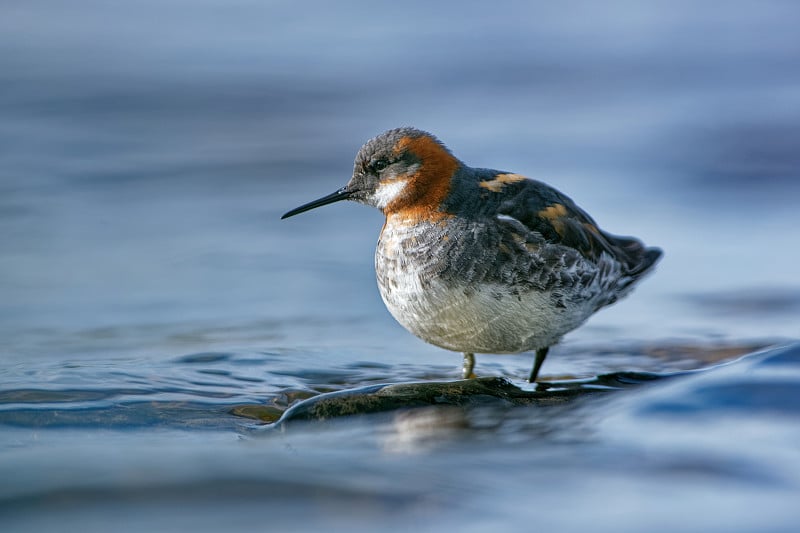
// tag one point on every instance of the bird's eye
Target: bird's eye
(379, 165)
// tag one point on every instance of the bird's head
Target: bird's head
(401, 170)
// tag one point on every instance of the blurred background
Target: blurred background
(148, 149)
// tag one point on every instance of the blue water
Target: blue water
(148, 289)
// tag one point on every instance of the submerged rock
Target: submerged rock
(463, 393)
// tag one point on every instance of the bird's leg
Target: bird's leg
(541, 353)
(469, 365)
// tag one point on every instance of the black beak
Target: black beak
(341, 194)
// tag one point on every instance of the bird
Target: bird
(476, 260)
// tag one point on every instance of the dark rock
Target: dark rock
(463, 393)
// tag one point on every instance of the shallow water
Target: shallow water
(148, 291)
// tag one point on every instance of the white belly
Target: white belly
(478, 322)
(475, 318)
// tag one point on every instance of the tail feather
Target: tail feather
(636, 258)
(648, 260)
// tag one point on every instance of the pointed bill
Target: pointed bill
(341, 194)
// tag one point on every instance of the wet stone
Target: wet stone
(463, 393)
(263, 413)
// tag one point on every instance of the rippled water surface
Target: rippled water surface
(155, 314)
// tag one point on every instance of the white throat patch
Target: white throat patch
(387, 192)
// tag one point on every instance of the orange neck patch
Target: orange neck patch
(429, 186)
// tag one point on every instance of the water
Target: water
(148, 290)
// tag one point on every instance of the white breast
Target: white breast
(480, 318)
